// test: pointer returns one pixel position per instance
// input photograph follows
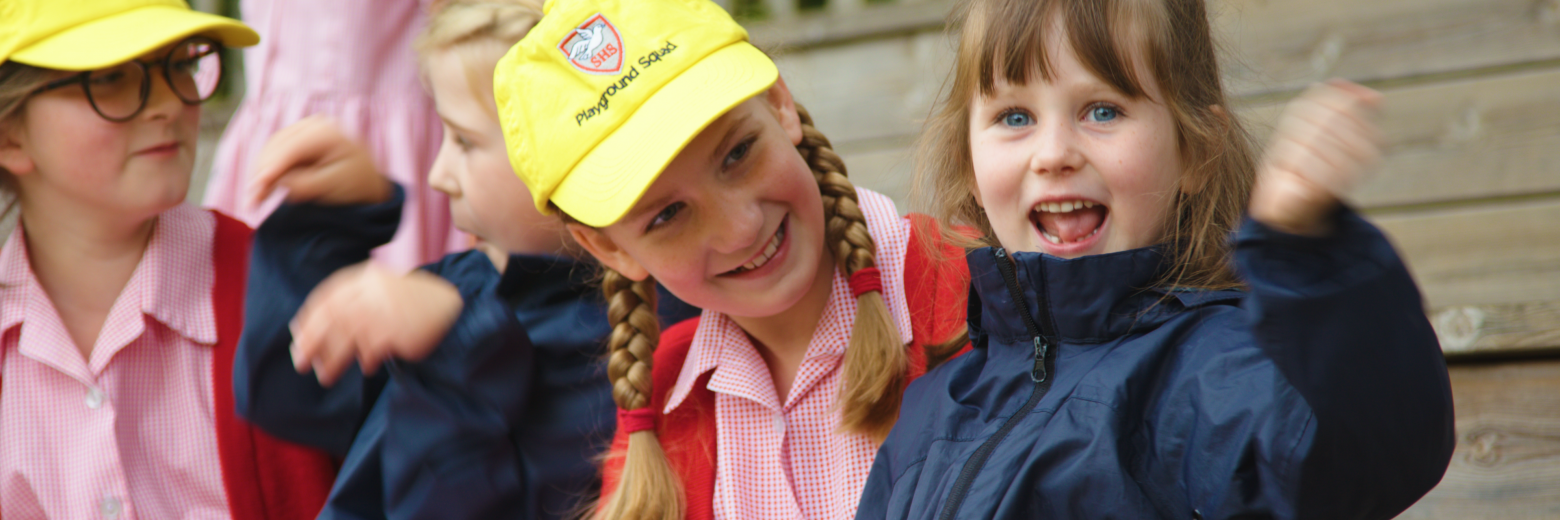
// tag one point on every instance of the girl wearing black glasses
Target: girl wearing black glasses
(120, 305)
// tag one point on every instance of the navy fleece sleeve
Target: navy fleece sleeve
(1343, 321)
(296, 248)
(449, 451)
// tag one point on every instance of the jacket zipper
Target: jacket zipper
(1045, 366)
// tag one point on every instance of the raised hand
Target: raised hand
(370, 314)
(316, 163)
(1325, 144)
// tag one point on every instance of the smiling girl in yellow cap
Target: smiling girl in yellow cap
(677, 155)
(120, 306)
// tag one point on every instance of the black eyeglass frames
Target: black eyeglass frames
(193, 69)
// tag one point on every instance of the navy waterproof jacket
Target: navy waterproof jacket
(503, 420)
(1320, 393)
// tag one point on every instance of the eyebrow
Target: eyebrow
(462, 128)
(639, 211)
(731, 130)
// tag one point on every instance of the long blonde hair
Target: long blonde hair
(1007, 37)
(874, 367)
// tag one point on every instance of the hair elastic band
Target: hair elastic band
(636, 420)
(866, 280)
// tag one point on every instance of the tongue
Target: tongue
(1073, 225)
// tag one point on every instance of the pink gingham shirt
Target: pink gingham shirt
(129, 433)
(789, 460)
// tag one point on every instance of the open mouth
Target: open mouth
(768, 253)
(1070, 221)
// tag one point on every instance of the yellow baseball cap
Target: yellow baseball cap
(600, 96)
(93, 34)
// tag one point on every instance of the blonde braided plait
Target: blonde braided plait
(875, 359)
(647, 487)
(635, 333)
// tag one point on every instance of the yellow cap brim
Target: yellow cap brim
(615, 174)
(116, 39)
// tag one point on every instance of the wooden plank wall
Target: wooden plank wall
(1469, 188)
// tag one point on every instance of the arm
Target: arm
(339, 209)
(1336, 310)
(294, 250)
(1342, 319)
(449, 451)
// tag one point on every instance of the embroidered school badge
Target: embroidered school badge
(594, 47)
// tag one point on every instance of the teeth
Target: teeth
(1064, 207)
(769, 252)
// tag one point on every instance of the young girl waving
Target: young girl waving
(677, 156)
(494, 405)
(1119, 371)
(120, 306)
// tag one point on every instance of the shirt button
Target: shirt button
(779, 424)
(110, 507)
(94, 398)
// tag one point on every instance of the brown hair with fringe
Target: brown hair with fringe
(17, 83)
(1171, 37)
(875, 362)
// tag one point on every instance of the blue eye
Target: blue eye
(1016, 119)
(1103, 113)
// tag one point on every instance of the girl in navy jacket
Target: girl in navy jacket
(1130, 361)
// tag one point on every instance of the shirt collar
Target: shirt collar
(716, 332)
(176, 273)
(15, 277)
(179, 259)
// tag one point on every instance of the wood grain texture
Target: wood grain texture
(1491, 136)
(1483, 255)
(1503, 329)
(1280, 45)
(1507, 462)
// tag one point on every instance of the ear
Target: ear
(606, 251)
(13, 153)
(779, 98)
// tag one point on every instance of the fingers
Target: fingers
(292, 152)
(320, 342)
(1324, 145)
(1329, 137)
(320, 347)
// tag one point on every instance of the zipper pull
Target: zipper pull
(1038, 374)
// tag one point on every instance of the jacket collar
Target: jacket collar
(1090, 299)
(542, 279)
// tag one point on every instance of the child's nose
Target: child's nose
(161, 102)
(1056, 149)
(737, 227)
(440, 178)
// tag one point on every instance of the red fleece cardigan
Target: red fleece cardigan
(937, 289)
(265, 478)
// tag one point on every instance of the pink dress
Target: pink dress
(351, 60)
